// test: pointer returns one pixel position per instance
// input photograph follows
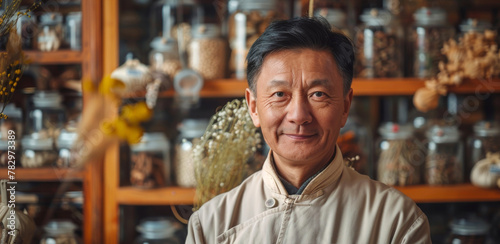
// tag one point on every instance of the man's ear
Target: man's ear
(252, 107)
(347, 106)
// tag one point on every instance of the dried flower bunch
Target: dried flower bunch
(222, 153)
(12, 61)
(475, 56)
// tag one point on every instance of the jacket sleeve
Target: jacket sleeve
(195, 233)
(419, 231)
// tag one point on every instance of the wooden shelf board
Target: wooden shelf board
(43, 174)
(54, 57)
(161, 196)
(451, 193)
(361, 87)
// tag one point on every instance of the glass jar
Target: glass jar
(65, 142)
(379, 39)
(486, 139)
(427, 37)
(73, 33)
(165, 56)
(156, 230)
(47, 116)
(399, 160)
(26, 29)
(474, 25)
(248, 21)
(60, 232)
(14, 121)
(207, 52)
(469, 230)
(444, 162)
(150, 161)
(336, 18)
(50, 32)
(190, 132)
(37, 151)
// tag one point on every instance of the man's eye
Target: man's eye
(279, 94)
(318, 94)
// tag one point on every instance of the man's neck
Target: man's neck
(298, 174)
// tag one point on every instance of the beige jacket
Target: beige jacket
(338, 206)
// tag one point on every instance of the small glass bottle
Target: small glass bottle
(444, 162)
(37, 151)
(190, 132)
(60, 232)
(65, 142)
(399, 159)
(207, 52)
(165, 56)
(50, 32)
(428, 35)
(156, 230)
(47, 116)
(379, 40)
(150, 161)
(486, 139)
(469, 230)
(247, 21)
(73, 34)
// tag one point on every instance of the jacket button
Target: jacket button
(271, 202)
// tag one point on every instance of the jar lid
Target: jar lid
(193, 128)
(164, 45)
(34, 142)
(156, 227)
(335, 17)
(188, 83)
(474, 25)
(73, 15)
(205, 30)
(469, 226)
(376, 17)
(47, 99)
(51, 18)
(257, 5)
(441, 134)
(12, 111)
(395, 131)
(66, 139)
(430, 16)
(487, 128)
(61, 226)
(152, 142)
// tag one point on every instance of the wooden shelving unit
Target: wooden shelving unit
(45, 174)
(55, 57)
(160, 196)
(451, 193)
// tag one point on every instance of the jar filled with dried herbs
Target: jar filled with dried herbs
(191, 131)
(207, 52)
(46, 115)
(50, 32)
(164, 56)
(336, 18)
(444, 162)
(427, 36)
(65, 142)
(379, 40)
(38, 151)
(26, 29)
(468, 230)
(247, 21)
(399, 160)
(486, 139)
(150, 161)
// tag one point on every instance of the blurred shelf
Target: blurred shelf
(361, 87)
(54, 57)
(43, 174)
(450, 193)
(161, 196)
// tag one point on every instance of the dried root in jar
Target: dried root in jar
(395, 166)
(385, 56)
(443, 169)
(147, 171)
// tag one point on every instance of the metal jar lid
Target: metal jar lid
(443, 134)
(394, 131)
(430, 16)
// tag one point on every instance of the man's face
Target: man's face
(300, 105)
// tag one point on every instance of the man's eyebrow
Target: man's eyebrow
(274, 83)
(321, 82)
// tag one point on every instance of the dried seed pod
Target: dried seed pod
(426, 99)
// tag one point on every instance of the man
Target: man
(299, 76)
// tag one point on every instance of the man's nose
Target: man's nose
(299, 111)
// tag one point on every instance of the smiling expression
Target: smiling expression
(300, 105)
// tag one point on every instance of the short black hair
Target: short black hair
(301, 32)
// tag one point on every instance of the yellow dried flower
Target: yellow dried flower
(136, 113)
